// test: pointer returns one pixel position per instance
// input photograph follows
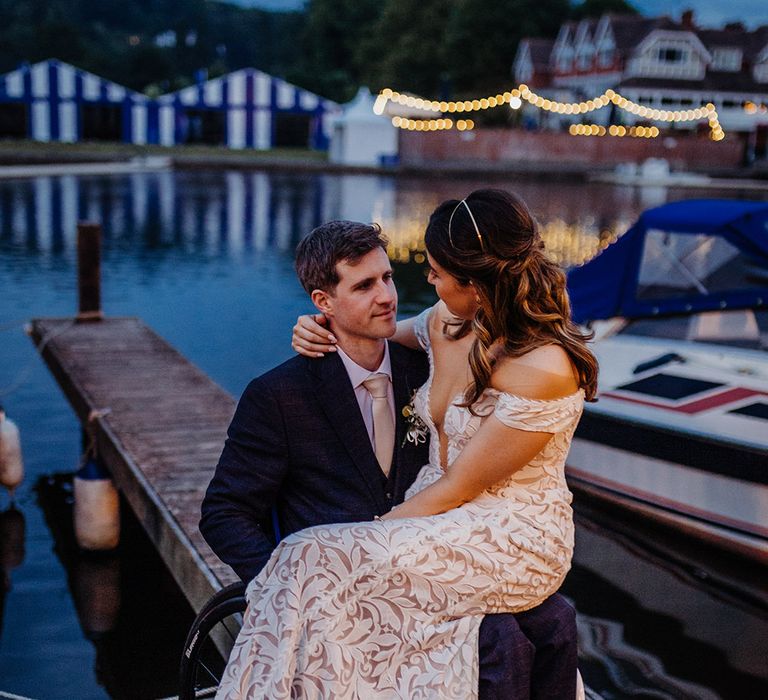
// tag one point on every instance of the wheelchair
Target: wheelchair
(217, 624)
(214, 629)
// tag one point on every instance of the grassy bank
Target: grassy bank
(33, 152)
(293, 159)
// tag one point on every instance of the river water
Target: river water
(205, 258)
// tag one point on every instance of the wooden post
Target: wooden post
(89, 272)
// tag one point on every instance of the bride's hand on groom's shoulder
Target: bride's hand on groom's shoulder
(310, 336)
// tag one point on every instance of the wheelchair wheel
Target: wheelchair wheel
(216, 625)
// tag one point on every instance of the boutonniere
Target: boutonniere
(416, 429)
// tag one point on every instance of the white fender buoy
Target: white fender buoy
(11, 463)
(97, 508)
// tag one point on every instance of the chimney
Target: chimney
(686, 19)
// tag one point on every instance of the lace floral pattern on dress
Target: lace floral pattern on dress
(392, 609)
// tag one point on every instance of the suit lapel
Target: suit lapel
(406, 379)
(402, 393)
(337, 400)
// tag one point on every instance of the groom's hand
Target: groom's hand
(310, 338)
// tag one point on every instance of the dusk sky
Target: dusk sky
(708, 13)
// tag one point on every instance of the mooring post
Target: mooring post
(89, 271)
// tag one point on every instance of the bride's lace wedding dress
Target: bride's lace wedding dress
(392, 609)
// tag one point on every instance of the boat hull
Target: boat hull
(707, 488)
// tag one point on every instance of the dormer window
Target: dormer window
(726, 59)
(669, 54)
(605, 57)
(565, 60)
(760, 71)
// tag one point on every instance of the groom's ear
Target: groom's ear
(323, 301)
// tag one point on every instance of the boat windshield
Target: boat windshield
(675, 265)
(745, 328)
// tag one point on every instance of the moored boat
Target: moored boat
(680, 430)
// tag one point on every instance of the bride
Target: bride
(392, 608)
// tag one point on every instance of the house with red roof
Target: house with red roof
(656, 62)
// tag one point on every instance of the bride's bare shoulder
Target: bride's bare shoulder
(545, 372)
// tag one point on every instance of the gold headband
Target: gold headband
(474, 223)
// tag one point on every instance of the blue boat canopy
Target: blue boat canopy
(682, 257)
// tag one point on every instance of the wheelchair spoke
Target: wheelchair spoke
(213, 676)
(233, 637)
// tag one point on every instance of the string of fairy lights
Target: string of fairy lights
(515, 98)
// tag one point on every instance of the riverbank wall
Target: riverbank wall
(494, 149)
(487, 153)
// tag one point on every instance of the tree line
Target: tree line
(444, 49)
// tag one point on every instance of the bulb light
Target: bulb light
(516, 96)
(422, 124)
(618, 130)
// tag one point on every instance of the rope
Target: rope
(23, 374)
(90, 450)
(12, 325)
(11, 696)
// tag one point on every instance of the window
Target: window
(564, 60)
(667, 54)
(726, 59)
(605, 57)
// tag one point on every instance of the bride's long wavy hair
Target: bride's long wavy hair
(493, 243)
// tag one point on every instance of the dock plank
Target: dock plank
(162, 426)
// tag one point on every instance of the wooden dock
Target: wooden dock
(159, 423)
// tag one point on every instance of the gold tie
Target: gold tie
(383, 421)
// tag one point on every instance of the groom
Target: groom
(301, 451)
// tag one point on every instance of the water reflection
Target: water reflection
(126, 602)
(12, 540)
(233, 212)
(197, 213)
(660, 617)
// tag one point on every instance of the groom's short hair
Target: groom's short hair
(333, 242)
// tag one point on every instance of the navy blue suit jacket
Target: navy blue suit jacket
(298, 443)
